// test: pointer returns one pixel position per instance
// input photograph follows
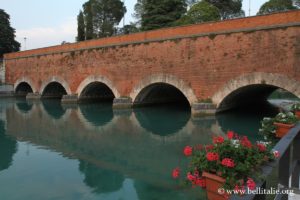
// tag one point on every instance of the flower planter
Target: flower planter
(297, 113)
(282, 129)
(213, 185)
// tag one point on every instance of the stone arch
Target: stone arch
(179, 84)
(59, 80)
(25, 80)
(100, 79)
(269, 81)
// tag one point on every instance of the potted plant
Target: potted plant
(296, 109)
(284, 122)
(268, 129)
(227, 164)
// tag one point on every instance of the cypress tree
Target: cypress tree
(80, 27)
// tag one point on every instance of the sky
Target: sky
(49, 22)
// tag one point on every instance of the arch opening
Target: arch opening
(255, 95)
(23, 89)
(161, 94)
(96, 92)
(54, 90)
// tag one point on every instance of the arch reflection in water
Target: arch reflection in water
(164, 119)
(8, 147)
(97, 114)
(24, 106)
(101, 180)
(249, 123)
(53, 108)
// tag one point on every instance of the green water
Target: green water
(49, 151)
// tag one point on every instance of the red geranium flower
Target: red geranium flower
(209, 147)
(261, 147)
(230, 134)
(246, 142)
(251, 184)
(211, 156)
(196, 173)
(176, 172)
(188, 151)
(218, 140)
(190, 177)
(200, 182)
(227, 162)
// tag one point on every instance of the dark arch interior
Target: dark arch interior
(95, 92)
(160, 93)
(54, 90)
(23, 89)
(248, 96)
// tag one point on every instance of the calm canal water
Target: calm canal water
(49, 151)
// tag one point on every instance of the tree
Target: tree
(200, 12)
(276, 6)
(127, 29)
(296, 3)
(88, 20)
(7, 35)
(139, 11)
(154, 14)
(203, 12)
(228, 8)
(80, 27)
(101, 17)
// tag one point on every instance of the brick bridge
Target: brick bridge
(229, 63)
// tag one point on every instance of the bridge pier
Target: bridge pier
(200, 109)
(72, 98)
(122, 103)
(33, 96)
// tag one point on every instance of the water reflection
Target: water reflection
(8, 148)
(246, 121)
(53, 108)
(163, 120)
(132, 152)
(24, 106)
(97, 114)
(101, 180)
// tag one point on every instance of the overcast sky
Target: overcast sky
(49, 22)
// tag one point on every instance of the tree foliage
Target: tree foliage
(154, 14)
(200, 12)
(101, 17)
(203, 12)
(81, 27)
(277, 6)
(7, 35)
(228, 9)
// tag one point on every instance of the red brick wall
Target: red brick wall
(204, 63)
